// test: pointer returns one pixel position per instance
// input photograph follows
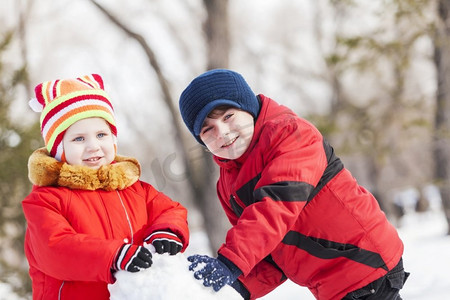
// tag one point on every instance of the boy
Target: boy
(295, 211)
(88, 214)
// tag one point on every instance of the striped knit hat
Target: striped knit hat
(63, 102)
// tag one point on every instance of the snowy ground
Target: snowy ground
(426, 256)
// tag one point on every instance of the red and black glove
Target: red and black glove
(165, 241)
(133, 258)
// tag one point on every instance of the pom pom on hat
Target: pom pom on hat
(35, 105)
(212, 89)
(66, 101)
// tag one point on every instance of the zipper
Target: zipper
(60, 290)
(237, 208)
(131, 234)
(128, 218)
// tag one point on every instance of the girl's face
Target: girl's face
(228, 134)
(89, 142)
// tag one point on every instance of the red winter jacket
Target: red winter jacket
(298, 213)
(78, 218)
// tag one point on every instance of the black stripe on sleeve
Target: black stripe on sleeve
(328, 250)
(285, 191)
(334, 166)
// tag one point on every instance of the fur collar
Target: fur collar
(44, 170)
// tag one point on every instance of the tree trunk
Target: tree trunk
(442, 118)
(217, 33)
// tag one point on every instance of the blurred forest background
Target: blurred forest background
(374, 76)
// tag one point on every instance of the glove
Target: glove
(132, 258)
(165, 241)
(217, 271)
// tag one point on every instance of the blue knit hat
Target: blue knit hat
(212, 89)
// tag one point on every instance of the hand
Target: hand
(215, 273)
(165, 241)
(133, 258)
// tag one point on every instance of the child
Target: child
(295, 211)
(89, 214)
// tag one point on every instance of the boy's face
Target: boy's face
(228, 135)
(89, 142)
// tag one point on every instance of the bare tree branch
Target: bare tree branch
(152, 60)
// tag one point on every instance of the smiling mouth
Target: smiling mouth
(230, 142)
(93, 159)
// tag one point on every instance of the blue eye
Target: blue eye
(228, 116)
(100, 135)
(78, 139)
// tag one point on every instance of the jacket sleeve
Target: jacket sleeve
(294, 161)
(166, 214)
(262, 279)
(53, 246)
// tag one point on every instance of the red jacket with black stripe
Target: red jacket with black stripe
(297, 213)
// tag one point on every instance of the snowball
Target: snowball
(168, 278)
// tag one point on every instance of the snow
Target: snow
(167, 278)
(6, 292)
(426, 256)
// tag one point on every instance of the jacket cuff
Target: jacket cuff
(240, 288)
(230, 265)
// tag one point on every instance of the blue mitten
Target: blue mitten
(217, 271)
